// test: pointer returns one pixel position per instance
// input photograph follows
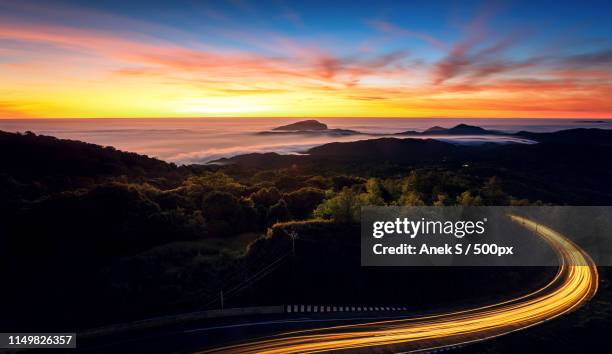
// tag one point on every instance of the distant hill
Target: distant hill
(595, 121)
(313, 127)
(407, 149)
(435, 129)
(581, 147)
(467, 130)
(578, 136)
(308, 127)
(330, 132)
(267, 160)
(461, 129)
(591, 136)
(310, 124)
(404, 150)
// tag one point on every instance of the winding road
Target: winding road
(574, 284)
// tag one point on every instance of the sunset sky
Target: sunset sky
(306, 58)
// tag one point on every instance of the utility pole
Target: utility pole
(293, 235)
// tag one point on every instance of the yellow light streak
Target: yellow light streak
(574, 284)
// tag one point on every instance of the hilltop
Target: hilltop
(310, 124)
(308, 127)
(460, 129)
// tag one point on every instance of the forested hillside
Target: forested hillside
(93, 235)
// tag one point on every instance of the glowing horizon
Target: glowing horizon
(304, 59)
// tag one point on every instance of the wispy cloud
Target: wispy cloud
(290, 14)
(55, 68)
(389, 28)
(602, 58)
(477, 55)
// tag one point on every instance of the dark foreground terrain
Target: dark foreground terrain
(93, 236)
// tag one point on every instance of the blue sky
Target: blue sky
(492, 55)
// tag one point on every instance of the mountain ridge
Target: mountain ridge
(391, 148)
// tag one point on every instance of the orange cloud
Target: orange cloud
(86, 72)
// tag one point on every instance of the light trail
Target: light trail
(574, 284)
